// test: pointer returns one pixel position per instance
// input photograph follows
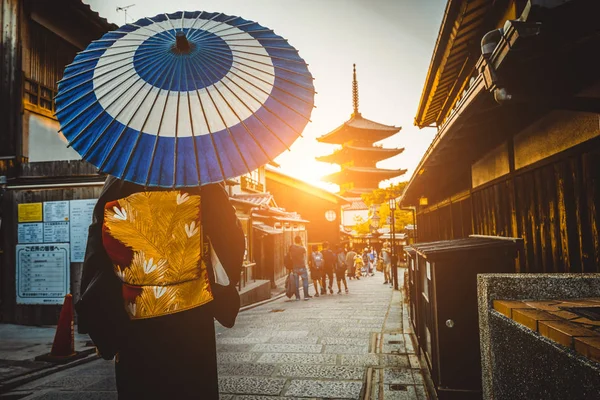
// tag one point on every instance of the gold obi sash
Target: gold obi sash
(155, 242)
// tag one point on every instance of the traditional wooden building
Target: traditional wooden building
(48, 186)
(319, 206)
(513, 90)
(358, 155)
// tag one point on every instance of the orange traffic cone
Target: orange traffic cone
(64, 339)
(63, 348)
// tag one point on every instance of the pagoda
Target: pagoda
(358, 155)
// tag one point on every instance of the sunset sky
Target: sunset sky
(391, 42)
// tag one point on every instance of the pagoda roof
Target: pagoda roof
(350, 173)
(361, 128)
(348, 152)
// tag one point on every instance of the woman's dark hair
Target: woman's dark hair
(315, 247)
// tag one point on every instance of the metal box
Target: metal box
(443, 289)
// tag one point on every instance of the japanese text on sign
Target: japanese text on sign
(42, 273)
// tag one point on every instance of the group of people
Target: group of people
(340, 262)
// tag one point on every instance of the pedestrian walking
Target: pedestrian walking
(330, 263)
(372, 261)
(298, 254)
(366, 263)
(168, 285)
(386, 254)
(315, 263)
(350, 262)
(340, 270)
(359, 265)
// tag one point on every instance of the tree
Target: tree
(361, 226)
(380, 198)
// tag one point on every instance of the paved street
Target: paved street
(347, 346)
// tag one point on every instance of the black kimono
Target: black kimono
(166, 348)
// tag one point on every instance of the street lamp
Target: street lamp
(392, 205)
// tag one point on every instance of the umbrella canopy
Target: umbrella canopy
(184, 99)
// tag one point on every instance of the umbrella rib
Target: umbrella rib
(97, 87)
(272, 96)
(171, 22)
(262, 71)
(275, 39)
(75, 63)
(199, 30)
(266, 108)
(264, 47)
(89, 124)
(195, 21)
(212, 139)
(218, 50)
(63, 126)
(141, 131)
(59, 95)
(249, 32)
(187, 87)
(271, 57)
(227, 128)
(211, 69)
(198, 37)
(160, 31)
(233, 26)
(69, 77)
(126, 46)
(180, 62)
(135, 33)
(125, 126)
(160, 127)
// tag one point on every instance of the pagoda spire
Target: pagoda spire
(355, 93)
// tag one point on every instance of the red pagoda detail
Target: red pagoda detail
(358, 154)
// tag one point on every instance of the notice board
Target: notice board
(42, 273)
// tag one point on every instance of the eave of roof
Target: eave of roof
(373, 171)
(94, 15)
(476, 90)
(358, 127)
(451, 63)
(278, 176)
(350, 152)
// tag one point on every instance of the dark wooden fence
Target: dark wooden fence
(554, 207)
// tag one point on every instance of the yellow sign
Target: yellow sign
(30, 212)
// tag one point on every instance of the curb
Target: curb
(28, 377)
(260, 303)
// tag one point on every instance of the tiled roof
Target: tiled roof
(347, 153)
(356, 127)
(357, 204)
(84, 7)
(344, 173)
(255, 198)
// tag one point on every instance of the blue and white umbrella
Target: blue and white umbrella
(184, 99)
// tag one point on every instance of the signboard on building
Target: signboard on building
(56, 232)
(30, 232)
(29, 212)
(42, 273)
(55, 211)
(80, 218)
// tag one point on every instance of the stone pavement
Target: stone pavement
(349, 346)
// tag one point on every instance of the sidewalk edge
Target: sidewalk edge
(28, 377)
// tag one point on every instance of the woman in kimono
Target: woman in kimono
(177, 254)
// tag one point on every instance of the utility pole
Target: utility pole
(124, 9)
